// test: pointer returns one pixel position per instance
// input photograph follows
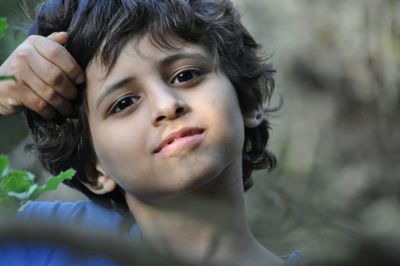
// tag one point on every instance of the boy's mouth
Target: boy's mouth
(177, 135)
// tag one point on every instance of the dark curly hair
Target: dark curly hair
(101, 28)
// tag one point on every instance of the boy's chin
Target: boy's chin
(175, 186)
(199, 175)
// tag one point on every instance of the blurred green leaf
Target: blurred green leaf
(24, 195)
(8, 78)
(18, 187)
(18, 184)
(4, 165)
(17, 181)
(53, 182)
(3, 26)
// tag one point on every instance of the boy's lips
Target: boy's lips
(179, 136)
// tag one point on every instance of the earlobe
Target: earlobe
(102, 183)
(254, 119)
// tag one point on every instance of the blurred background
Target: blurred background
(337, 136)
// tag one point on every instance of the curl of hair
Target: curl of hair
(102, 28)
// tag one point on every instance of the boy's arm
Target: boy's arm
(45, 74)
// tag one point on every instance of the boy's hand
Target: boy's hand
(46, 76)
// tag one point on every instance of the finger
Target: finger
(8, 103)
(33, 102)
(59, 56)
(59, 37)
(48, 94)
(53, 76)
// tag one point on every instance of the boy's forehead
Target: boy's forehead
(144, 49)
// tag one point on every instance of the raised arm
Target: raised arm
(46, 77)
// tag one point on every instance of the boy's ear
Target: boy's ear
(253, 119)
(102, 183)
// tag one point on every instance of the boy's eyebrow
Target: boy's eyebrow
(112, 88)
(165, 62)
(181, 55)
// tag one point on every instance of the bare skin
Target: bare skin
(46, 76)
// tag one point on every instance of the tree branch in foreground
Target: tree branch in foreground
(82, 243)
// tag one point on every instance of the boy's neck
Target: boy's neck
(208, 227)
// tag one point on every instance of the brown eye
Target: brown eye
(186, 76)
(124, 103)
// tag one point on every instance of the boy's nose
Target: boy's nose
(166, 105)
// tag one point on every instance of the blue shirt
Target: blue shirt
(90, 216)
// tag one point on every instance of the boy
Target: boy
(171, 113)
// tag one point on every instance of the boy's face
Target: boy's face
(150, 94)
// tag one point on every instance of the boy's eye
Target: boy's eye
(124, 103)
(186, 76)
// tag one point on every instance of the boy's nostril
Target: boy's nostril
(180, 110)
(160, 118)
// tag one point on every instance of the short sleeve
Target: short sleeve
(81, 213)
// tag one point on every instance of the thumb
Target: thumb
(60, 37)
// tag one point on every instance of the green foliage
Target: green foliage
(3, 26)
(8, 78)
(18, 187)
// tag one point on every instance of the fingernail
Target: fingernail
(60, 33)
(54, 34)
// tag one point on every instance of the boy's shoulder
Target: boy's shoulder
(84, 213)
